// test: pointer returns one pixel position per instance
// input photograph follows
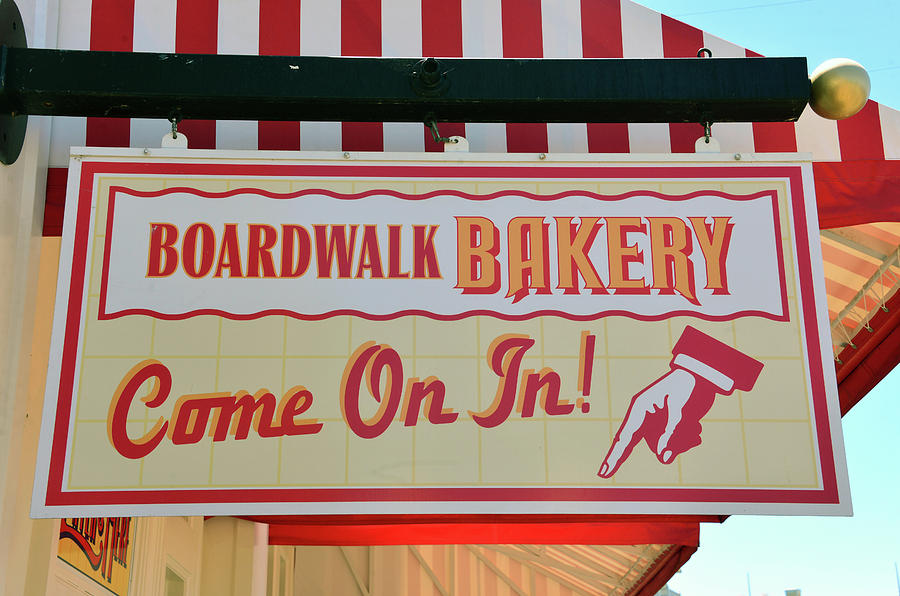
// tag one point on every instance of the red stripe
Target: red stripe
(446, 129)
(522, 38)
(606, 137)
(279, 26)
(860, 135)
(773, 137)
(197, 26)
(442, 28)
(362, 136)
(526, 137)
(361, 36)
(279, 135)
(444, 16)
(55, 205)
(197, 32)
(681, 41)
(601, 37)
(601, 28)
(112, 25)
(112, 30)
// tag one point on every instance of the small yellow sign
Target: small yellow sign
(100, 548)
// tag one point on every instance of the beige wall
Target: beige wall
(27, 546)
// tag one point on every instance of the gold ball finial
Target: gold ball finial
(840, 88)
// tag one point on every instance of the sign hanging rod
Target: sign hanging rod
(224, 87)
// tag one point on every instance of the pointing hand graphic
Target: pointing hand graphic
(667, 413)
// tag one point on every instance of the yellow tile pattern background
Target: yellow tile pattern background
(760, 439)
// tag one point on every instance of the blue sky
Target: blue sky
(864, 30)
(821, 556)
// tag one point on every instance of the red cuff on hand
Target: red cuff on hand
(739, 367)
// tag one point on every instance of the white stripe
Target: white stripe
(569, 137)
(487, 137)
(236, 134)
(320, 28)
(890, 131)
(482, 29)
(818, 136)
(721, 48)
(648, 137)
(401, 36)
(154, 31)
(148, 132)
(238, 33)
(154, 25)
(701, 369)
(642, 38)
(73, 33)
(41, 21)
(641, 31)
(320, 35)
(320, 136)
(561, 28)
(401, 28)
(404, 136)
(561, 34)
(734, 137)
(66, 132)
(482, 37)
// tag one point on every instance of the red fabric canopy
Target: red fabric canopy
(856, 192)
(484, 529)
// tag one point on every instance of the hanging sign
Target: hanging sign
(437, 334)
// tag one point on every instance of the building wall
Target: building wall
(27, 545)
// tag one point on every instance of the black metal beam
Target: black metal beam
(12, 126)
(124, 84)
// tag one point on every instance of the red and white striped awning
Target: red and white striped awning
(857, 166)
(469, 28)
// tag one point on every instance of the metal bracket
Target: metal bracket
(428, 78)
(12, 123)
(432, 125)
